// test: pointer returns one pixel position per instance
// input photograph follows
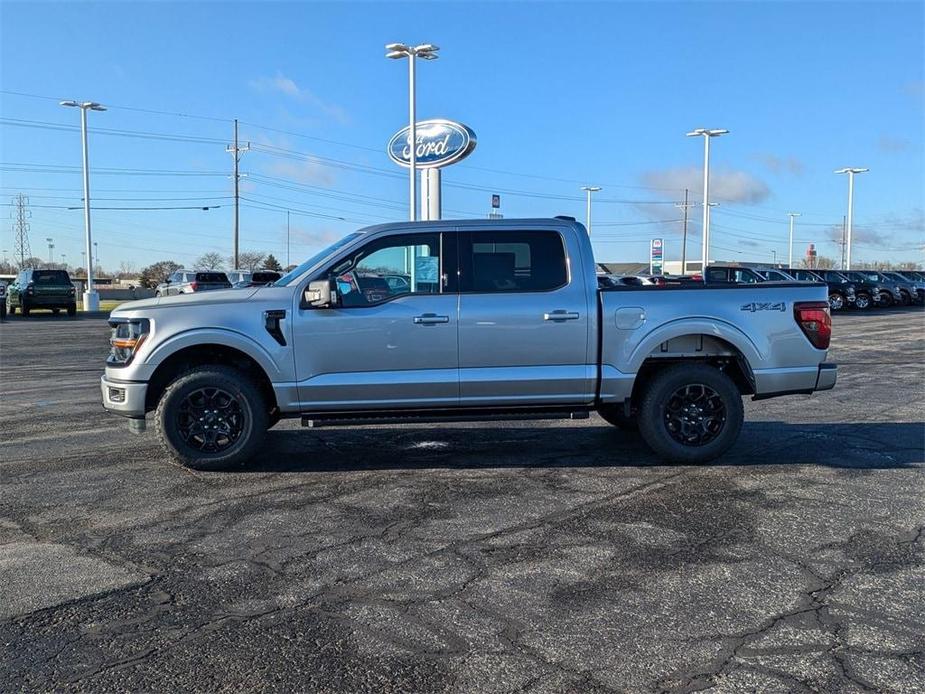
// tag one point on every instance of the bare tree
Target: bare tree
(210, 261)
(249, 260)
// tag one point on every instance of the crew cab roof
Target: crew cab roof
(507, 224)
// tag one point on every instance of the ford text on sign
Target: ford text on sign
(439, 143)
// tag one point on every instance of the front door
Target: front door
(390, 342)
(523, 319)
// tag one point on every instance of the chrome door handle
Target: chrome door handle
(431, 319)
(560, 315)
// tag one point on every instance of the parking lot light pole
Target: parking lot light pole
(792, 215)
(707, 135)
(851, 172)
(427, 51)
(589, 190)
(91, 299)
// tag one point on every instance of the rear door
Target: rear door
(523, 319)
(383, 346)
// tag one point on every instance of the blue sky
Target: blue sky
(560, 94)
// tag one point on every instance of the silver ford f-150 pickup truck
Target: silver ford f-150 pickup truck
(462, 320)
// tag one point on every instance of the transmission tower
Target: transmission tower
(21, 214)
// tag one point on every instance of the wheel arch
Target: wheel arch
(187, 358)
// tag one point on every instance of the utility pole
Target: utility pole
(844, 229)
(684, 206)
(236, 151)
(21, 215)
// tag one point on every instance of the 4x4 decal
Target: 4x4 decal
(765, 306)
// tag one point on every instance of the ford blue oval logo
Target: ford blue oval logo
(439, 143)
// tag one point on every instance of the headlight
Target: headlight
(128, 334)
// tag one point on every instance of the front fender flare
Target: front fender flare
(198, 337)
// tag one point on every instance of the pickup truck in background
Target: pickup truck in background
(498, 319)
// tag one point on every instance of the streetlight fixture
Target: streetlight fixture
(589, 190)
(426, 51)
(91, 299)
(707, 136)
(851, 172)
(792, 215)
(51, 251)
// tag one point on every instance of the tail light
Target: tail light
(815, 321)
(194, 286)
(30, 289)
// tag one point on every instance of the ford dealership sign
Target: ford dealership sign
(439, 143)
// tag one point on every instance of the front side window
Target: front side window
(512, 261)
(390, 267)
(716, 275)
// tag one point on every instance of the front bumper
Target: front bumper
(124, 397)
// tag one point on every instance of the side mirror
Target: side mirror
(319, 294)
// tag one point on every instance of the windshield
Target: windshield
(315, 259)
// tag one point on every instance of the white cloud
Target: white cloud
(725, 185)
(778, 165)
(304, 171)
(288, 87)
(893, 145)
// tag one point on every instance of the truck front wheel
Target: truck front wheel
(211, 418)
(690, 413)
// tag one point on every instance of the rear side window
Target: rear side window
(211, 277)
(264, 277)
(50, 277)
(512, 261)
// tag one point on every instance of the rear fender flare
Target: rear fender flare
(682, 327)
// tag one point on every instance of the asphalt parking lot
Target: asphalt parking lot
(518, 557)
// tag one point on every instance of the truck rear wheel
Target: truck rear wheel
(690, 413)
(211, 418)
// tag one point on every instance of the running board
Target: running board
(315, 420)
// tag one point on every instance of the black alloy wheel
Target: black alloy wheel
(695, 415)
(210, 420)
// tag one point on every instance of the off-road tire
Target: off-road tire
(886, 300)
(653, 413)
(246, 394)
(906, 298)
(836, 301)
(72, 310)
(863, 302)
(615, 414)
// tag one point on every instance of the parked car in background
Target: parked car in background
(888, 291)
(862, 296)
(841, 294)
(914, 288)
(191, 281)
(258, 278)
(917, 279)
(42, 289)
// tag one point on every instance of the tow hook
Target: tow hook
(137, 425)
